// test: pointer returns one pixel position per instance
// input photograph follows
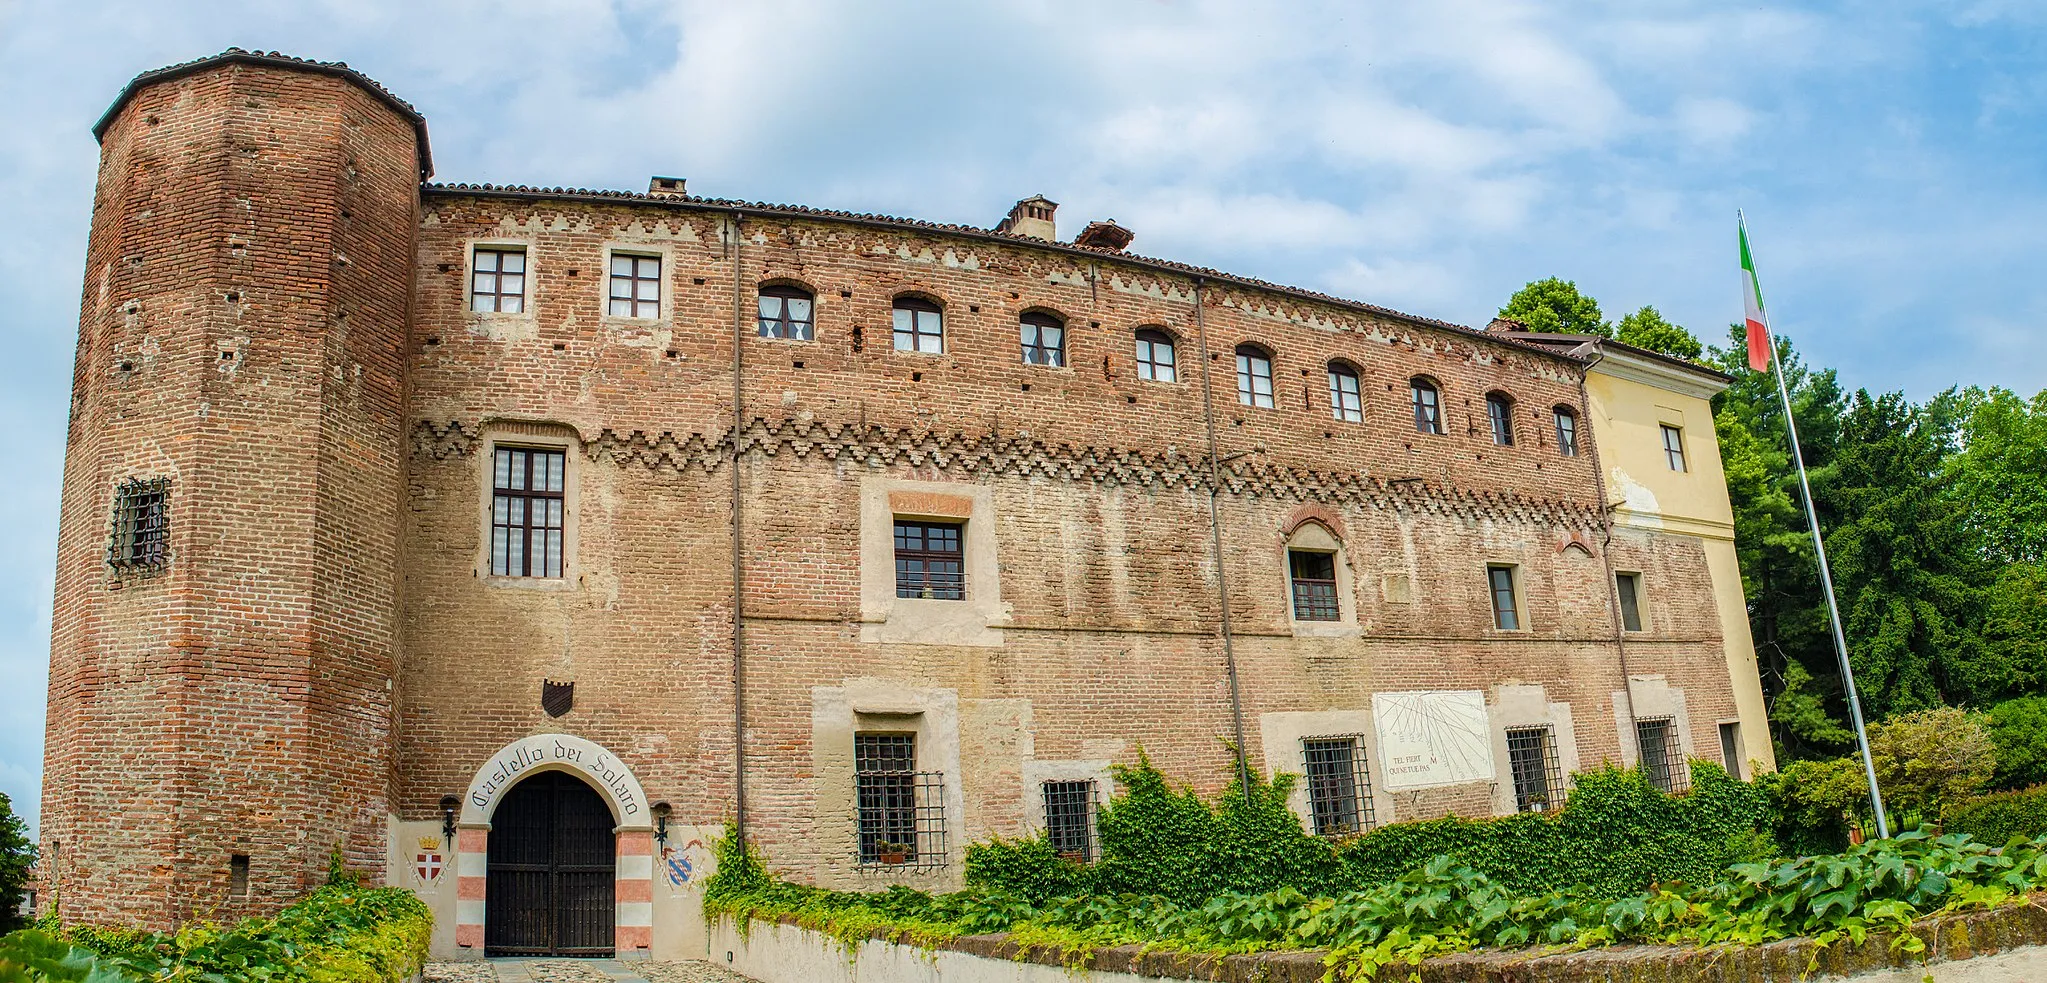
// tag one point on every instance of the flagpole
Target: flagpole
(1819, 546)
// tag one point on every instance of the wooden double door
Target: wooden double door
(552, 880)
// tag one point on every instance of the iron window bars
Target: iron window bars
(1155, 356)
(1538, 778)
(929, 561)
(1314, 583)
(1254, 377)
(1070, 819)
(1506, 613)
(1044, 340)
(1673, 447)
(635, 286)
(1663, 757)
(1567, 432)
(919, 326)
(1339, 785)
(141, 539)
(786, 313)
(1346, 394)
(901, 811)
(497, 281)
(1428, 407)
(526, 513)
(1500, 410)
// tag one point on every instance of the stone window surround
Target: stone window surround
(1315, 536)
(1037, 773)
(1652, 697)
(535, 436)
(656, 248)
(886, 618)
(1516, 705)
(872, 704)
(1744, 772)
(1281, 734)
(1642, 612)
(527, 246)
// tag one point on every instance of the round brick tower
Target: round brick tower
(224, 635)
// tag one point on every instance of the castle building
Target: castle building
(512, 541)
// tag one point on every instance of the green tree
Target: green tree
(1929, 758)
(1555, 306)
(17, 855)
(2018, 733)
(2001, 472)
(1647, 328)
(2014, 632)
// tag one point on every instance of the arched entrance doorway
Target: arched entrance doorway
(551, 870)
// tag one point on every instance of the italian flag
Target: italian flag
(1759, 346)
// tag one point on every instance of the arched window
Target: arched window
(1044, 339)
(919, 326)
(1346, 393)
(1254, 376)
(1428, 405)
(785, 313)
(1155, 356)
(1567, 431)
(1499, 409)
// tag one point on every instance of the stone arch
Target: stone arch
(557, 752)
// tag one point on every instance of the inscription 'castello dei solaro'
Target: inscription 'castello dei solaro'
(516, 540)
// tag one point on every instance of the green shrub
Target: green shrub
(1999, 816)
(1811, 802)
(1929, 758)
(2018, 734)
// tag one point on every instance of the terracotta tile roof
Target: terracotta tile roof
(273, 59)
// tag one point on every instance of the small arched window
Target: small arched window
(1254, 376)
(1044, 339)
(1499, 410)
(785, 313)
(1567, 431)
(1428, 405)
(1155, 356)
(1346, 393)
(919, 326)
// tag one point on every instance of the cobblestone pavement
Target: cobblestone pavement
(579, 971)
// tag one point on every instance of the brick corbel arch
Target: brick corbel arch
(1312, 512)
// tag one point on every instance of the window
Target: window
(1629, 585)
(1567, 432)
(1732, 754)
(1070, 819)
(1538, 780)
(1155, 356)
(1500, 410)
(526, 513)
(1254, 376)
(142, 525)
(919, 326)
(929, 561)
(1044, 340)
(885, 780)
(1314, 580)
(1506, 613)
(1663, 759)
(1346, 394)
(1428, 407)
(786, 313)
(497, 281)
(238, 875)
(1674, 447)
(635, 286)
(1339, 787)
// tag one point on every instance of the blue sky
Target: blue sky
(1428, 157)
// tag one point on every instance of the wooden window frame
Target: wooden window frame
(1566, 422)
(1674, 447)
(1499, 409)
(1346, 404)
(635, 279)
(512, 476)
(921, 312)
(782, 325)
(1503, 580)
(497, 295)
(1428, 412)
(1254, 369)
(1314, 598)
(1149, 341)
(922, 581)
(1031, 329)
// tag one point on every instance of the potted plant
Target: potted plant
(893, 853)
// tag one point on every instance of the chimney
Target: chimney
(1504, 324)
(1032, 217)
(667, 187)
(1104, 235)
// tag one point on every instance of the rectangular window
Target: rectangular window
(1339, 786)
(238, 875)
(919, 326)
(497, 281)
(1538, 780)
(1070, 819)
(901, 811)
(142, 525)
(1629, 585)
(1346, 394)
(526, 513)
(1314, 578)
(1567, 433)
(1254, 377)
(1731, 752)
(1674, 447)
(1044, 340)
(1506, 610)
(635, 286)
(930, 561)
(1663, 757)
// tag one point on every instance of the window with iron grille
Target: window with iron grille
(526, 512)
(1506, 607)
(785, 313)
(1673, 447)
(1500, 410)
(1629, 586)
(635, 286)
(1346, 394)
(1428, 407)
(497, 281)
(1314, 582)
(1044, 340)
(919, 326)
(1538, 779)
(142, 525)
(1155, 356)
(1567, 432)
(930, 561)
(1339, 785)
(1663, 756)
(1254, 376)
(1070, 819)
(901, 811)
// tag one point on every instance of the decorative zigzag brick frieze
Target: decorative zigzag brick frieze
(995, 454)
